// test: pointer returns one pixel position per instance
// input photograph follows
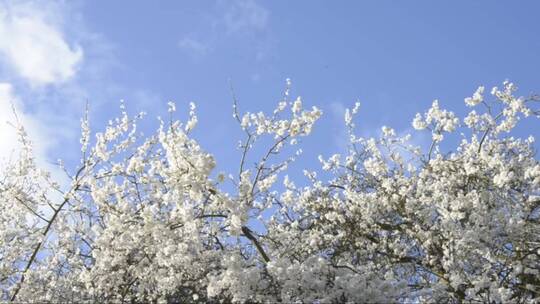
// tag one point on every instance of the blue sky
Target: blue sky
(393, 56)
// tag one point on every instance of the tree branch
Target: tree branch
(255, 242)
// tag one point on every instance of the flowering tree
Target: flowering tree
(146, 219)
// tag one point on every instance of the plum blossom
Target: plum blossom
(147, 219)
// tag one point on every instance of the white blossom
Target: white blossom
(146, 219)
(476, 98)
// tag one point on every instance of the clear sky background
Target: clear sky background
(395, 57)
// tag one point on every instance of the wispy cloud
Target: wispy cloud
(35, 49)
(244, 15)
(37, 62)
(33, 54)
(193, 46)
(51, 64)
(227, 21)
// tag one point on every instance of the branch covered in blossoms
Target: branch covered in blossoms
(148, 219)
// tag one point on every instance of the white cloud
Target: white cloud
(34, 53)
(35, 49)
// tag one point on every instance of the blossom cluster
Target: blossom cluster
(147, 219)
